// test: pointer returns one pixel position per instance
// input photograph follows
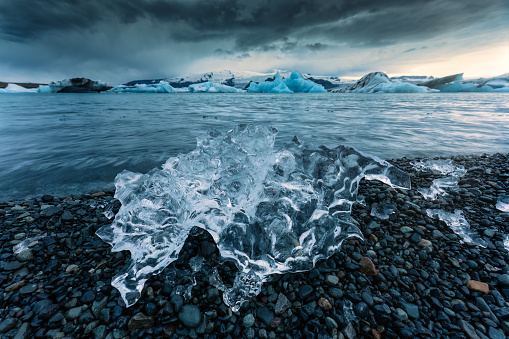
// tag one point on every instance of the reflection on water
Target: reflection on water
(75, 143)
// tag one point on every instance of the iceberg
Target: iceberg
(440, 186)
(161, 87)
(455, 83)
(379, 82)
(276, 86)
(212, 87)
(13, 88)
(269, 211)
(459, 225)
(297, 84)
(75, 85)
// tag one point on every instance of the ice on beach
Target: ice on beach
(161, 87)
(13, 88)
(25, 244)
(268, 210)
(440, 186)
(383, 210)
(294, 84)
(503, 203)
(459, 225)
(379, 82)
(212, 87)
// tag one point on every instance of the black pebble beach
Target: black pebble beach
(411, 277)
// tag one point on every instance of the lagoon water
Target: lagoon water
(76, 143)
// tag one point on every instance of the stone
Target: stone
(503, 280)
(25, 255)
(282, 304)
(140, 320)
(305, 291)
(87, 297)
(14, 287)
(324, 304)
(401, 315)
(99, 332)
(424, 243)
(50, 211)
(67, 216)
(494, 333)
(72, 268)
(97, 306)
(190, 316)
(27, 289)
(410, 309)
(331, 280)
(73, 313)
(22, 331)
(477, 286)
(248, 321)
(8, 324)
(468, 329)
(330, 323)
(264, 315)
(367, 266)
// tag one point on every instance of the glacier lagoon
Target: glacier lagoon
(74, 143)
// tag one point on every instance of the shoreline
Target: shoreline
(60, 287)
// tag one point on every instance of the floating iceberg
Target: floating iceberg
(379, 82)
(161, 87)
(459, 225)
(297, 84)
(13, 88)
(294, 84)
(276, 86)
(269, 211)
(75, 85)
(440, 186)
(212, 87)
(455, 83)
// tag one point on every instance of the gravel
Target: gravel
(410, 277)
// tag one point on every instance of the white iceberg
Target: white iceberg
(269, 211)
(212, 87)
(379, 82)
(503, 203)
(456, 83)
(13, 88)
(161, 87)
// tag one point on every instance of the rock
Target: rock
(25, 255)
(367, 266)
(264, 315)
(140, 320)
(213, 296)
(248, 321)
(324, 304)
(97, 306)
(73, 313)
(282, 304)
(49, 212)
(424, 243)
(361, 309)
(410, 309)
(8, 324)
(27, 289)
(415, 238)
(87, 297)
(177, 301)
(72, 268)
(190, 316)
(99, 332)
(67, 216)
(14, 287)
(477, 286)
(468, 329)
(494, 333)
(331, 280)
(22, 331)
(331, 323)
(503, 280)
(305, 291)
(401, 315)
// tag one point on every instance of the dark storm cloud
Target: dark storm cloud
(252, 24)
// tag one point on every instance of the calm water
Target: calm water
(77, 143)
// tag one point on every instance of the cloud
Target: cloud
(151, 36)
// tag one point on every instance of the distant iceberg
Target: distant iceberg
(13, 88)
(455, 83)
(294, 84)
(212, 87)
(75, 85)
(379, 82)
(161, 87)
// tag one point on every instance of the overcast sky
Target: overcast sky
(121, 40)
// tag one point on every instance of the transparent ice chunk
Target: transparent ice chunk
(25, 244)
(459, 225)
(440, 186)
(503, 203)
(383, 210)
(269, 211)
